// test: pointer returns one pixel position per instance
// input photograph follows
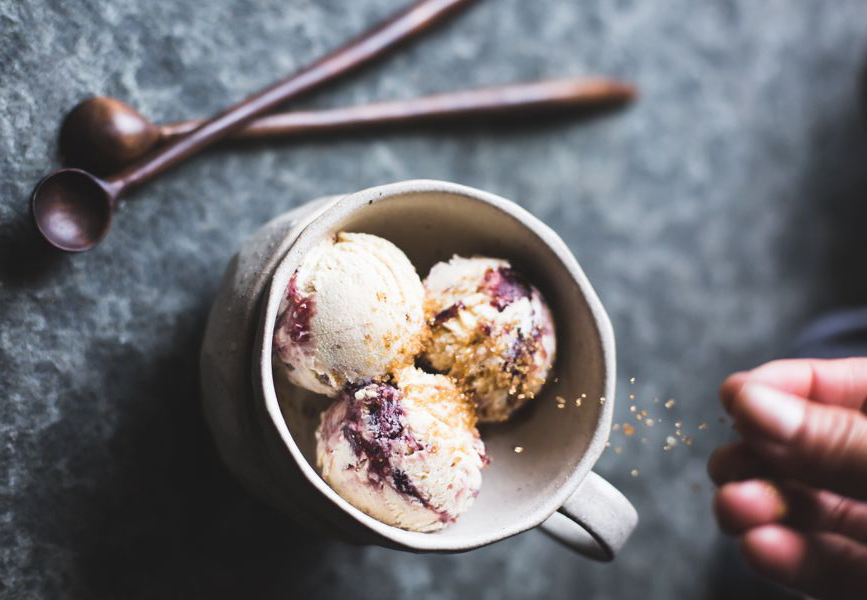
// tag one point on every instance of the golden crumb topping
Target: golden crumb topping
(483, 364)
(439, 396)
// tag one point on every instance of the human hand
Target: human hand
(794, 489)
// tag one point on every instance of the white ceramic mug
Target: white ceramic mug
(264, 427)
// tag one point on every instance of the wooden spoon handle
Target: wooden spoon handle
(411, 21)
(502, 102)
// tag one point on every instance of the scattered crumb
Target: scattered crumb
(632, 408)
(519, 449)
(578, 402)
(669, 404)
(687, 440)
(632, 380)
(615, 427)
(632, 396)
(634, 472)
(628, 429)
(602, 400)
(703, 426)
(671, 441)
(649, 423)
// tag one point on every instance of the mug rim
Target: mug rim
(346, 205)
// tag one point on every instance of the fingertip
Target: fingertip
(714, 466)
(722, 512)
(730, 387)
(821, 564)
(717, 464)
(772, 414)
(837, 381)
(735, 462)
(745, 505)
(774, 551)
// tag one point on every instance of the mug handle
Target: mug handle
(594, 521)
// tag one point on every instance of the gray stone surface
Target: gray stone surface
(715, 216)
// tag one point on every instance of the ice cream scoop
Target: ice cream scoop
(406, 452)
(490, 330)
(353, 311)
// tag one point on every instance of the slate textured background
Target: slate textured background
(715, 217)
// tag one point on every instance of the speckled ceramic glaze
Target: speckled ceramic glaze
(264, 428)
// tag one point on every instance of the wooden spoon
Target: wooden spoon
(104, 134)
(72, 208)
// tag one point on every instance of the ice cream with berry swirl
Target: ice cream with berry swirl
(491, 331)
(353, 311)
(406, 452)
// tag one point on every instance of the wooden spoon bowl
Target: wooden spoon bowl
(103, 135)
(72, 209)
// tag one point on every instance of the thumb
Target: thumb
(821, 445)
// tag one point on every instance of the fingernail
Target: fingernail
(715, 469)
(781, 508)
(773, 413)
(730, 387)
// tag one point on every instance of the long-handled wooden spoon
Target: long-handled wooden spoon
(105, 134)
(72, 208)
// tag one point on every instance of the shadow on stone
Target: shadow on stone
(837, 183)
(732, 579)
(143, 503)
(26, 258)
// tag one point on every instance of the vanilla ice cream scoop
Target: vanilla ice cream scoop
(406, 452)
(353, 311)
(491, 331)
